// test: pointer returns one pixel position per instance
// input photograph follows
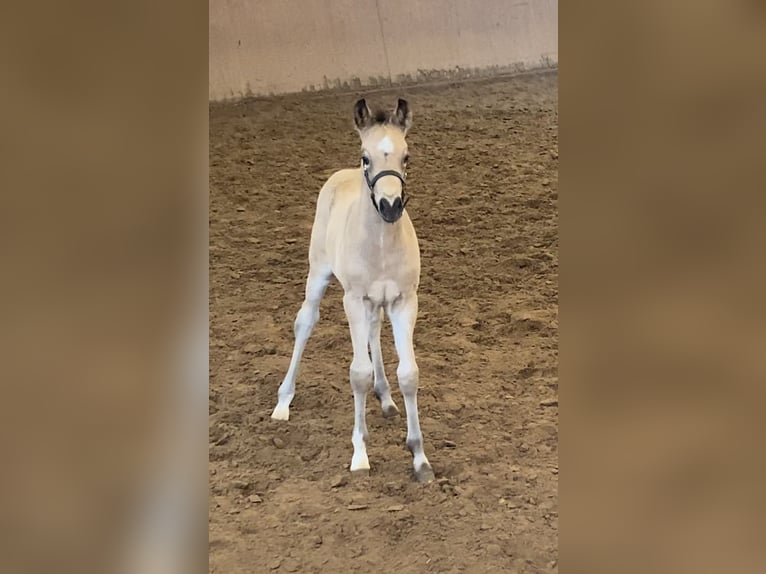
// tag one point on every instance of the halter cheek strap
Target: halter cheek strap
(371, 184)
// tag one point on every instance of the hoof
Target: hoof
(360, 473)
(425, 474)
(390, 411)
(280, 413)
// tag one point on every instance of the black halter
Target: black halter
(371, 184)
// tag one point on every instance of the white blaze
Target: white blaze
(386, 145)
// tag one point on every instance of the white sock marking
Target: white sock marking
(359, 460)
(281, 413)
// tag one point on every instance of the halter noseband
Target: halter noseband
(371, 184)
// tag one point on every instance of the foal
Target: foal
(364, 237)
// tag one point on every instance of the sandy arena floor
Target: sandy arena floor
(483, 185)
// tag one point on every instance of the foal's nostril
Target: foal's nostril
(390, 212)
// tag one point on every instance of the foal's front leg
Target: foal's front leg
(360, 374)
(403, 314)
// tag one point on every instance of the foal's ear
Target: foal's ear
(362, 115)
(403, 115)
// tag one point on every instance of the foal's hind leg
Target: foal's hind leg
(403, 314)
(382, 388)
(307, 317)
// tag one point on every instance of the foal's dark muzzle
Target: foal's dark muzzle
(391, 213)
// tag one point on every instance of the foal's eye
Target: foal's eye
(406, 159)
(365, 161)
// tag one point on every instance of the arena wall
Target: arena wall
(262, 47)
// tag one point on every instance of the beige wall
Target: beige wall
(276, 46)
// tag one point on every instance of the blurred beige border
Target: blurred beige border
(663, 330)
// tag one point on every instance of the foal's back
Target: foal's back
(333, 204)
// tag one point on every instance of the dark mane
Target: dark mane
(364, 118)
(381, 117)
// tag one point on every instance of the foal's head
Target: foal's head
(384, 156)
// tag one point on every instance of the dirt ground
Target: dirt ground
(483, 185)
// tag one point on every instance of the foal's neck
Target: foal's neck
(378, 235)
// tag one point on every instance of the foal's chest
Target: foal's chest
(383, 292)
(378, 287)
(380, 266)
